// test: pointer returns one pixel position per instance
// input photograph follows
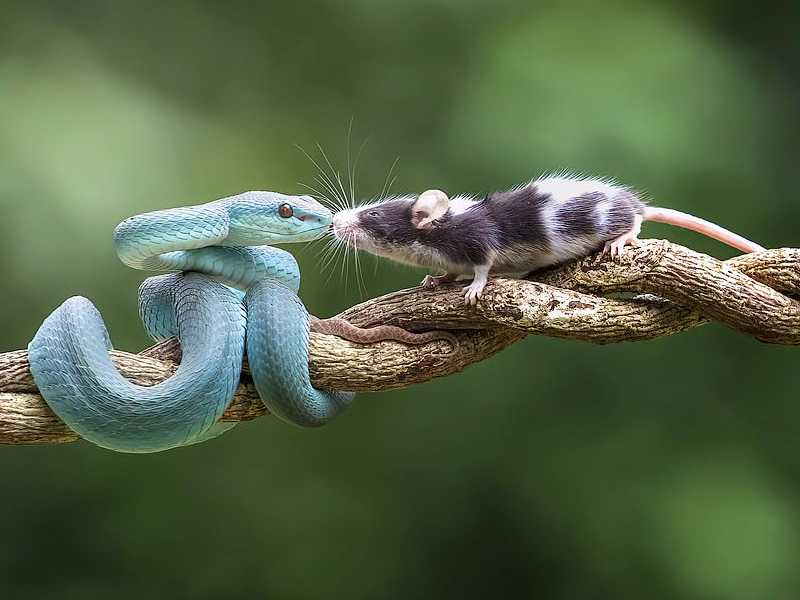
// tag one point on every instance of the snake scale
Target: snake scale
(229, 291)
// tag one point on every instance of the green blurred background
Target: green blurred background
(667, 469)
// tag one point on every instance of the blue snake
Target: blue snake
(230, 292)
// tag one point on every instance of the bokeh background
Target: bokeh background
(666, 469)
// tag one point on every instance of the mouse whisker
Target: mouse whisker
(323, 180)
(335, 175)
(341, 203)
(354, 254)
(321, 197)
(351, 173)
(338, 250)
(345, 269)
(329, 254)
(342, 258)
(391, 183)
(323, 177)
(387, 184)
(360, 283)
(329, 245)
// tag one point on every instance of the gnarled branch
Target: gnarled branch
(682, 289)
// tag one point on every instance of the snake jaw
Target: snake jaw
(315, 222)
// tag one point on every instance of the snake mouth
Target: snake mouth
(316, 231)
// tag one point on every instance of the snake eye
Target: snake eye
(285, 211)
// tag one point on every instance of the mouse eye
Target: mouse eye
(373, 213)
(285, 211)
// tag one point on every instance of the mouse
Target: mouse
(539, 224)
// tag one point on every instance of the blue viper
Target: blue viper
(231, 292)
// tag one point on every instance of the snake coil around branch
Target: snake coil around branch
(677, 289)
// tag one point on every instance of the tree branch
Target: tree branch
(683, 289)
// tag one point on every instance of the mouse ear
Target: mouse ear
(430, 205)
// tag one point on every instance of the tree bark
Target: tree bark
(681, 290)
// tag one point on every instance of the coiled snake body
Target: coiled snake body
(232, 292)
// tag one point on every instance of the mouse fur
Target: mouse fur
(528, 227)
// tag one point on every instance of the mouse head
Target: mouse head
(392, 227)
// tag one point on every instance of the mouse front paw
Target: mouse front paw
(472, 292)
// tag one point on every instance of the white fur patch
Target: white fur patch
(564, 187)
(462, 203)
(601, 210)
(561, 189)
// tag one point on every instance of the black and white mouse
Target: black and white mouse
(539, 224)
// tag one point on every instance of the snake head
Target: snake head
(258, 218)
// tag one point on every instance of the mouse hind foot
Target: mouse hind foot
(616, 246)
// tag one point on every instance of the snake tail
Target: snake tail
(368, 335)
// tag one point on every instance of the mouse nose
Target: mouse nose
(339, 220)
(345, 220)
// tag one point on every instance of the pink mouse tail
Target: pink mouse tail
(674, 217)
